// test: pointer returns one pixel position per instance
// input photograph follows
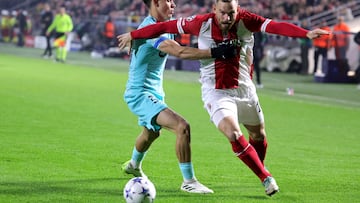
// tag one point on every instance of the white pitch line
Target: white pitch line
(316, 99)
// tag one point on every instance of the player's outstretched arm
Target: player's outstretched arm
(173, 48)
(291, 30)
(147, 32)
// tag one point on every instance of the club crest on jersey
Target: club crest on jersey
(190, 18)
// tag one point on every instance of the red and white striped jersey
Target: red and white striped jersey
(225, 73)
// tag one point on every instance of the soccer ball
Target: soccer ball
(139, 190)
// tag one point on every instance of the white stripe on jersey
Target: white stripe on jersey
(264, 25)
(205, 39)
(179, 26)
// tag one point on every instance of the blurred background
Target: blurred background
(279, 54)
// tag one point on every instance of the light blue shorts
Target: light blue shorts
(146, 106)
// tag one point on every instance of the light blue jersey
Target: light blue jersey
(144, 92)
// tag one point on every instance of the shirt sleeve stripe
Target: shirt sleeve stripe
(264, 25)
(179, 27)
(158, 41)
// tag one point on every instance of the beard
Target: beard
(225, 26)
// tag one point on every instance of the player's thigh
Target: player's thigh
(250, 112)
(220, 105)
(171, 120)
(229, 126)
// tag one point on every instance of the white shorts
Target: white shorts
(243, 105)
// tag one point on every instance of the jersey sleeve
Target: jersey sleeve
(256, 23)
(285, 29)
(154, 33)
(189, 25)
(192, 24)
(155, 30)
(252, 22)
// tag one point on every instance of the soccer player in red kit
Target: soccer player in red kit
(228, 93)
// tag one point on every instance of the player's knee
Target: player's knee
(183, 129)
(232, 135)
(258, 136)
(150, 136)
(236, 134)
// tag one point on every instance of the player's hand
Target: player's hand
(124, 40)
(224, 50)
(317, 33)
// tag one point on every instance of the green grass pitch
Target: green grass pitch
(65, 130)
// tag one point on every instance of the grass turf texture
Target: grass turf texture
(65, 130)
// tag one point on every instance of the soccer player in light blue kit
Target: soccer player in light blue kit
(144, 94)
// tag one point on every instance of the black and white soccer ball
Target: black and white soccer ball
(139, 190)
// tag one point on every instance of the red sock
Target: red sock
(248, 155)
(260, 147)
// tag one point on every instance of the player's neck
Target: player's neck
(157, 16)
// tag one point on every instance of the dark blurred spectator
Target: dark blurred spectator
(357, 40)
(87, 31)
(99, 50)
(291, 7)
(22, 26)
(357, 72)
(47, 17)
(138, 8)
(259, 41)
(305, 45)
(281, 14)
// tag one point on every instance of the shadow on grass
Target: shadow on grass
(111, 188)
(98, 186)
(220, 195)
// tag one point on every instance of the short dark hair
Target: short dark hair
(147, 3)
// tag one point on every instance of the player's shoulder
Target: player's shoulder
(147, 21)
(249, 18)
(243, 13)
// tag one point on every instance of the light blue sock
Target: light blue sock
(187, 170)
(137, 157)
